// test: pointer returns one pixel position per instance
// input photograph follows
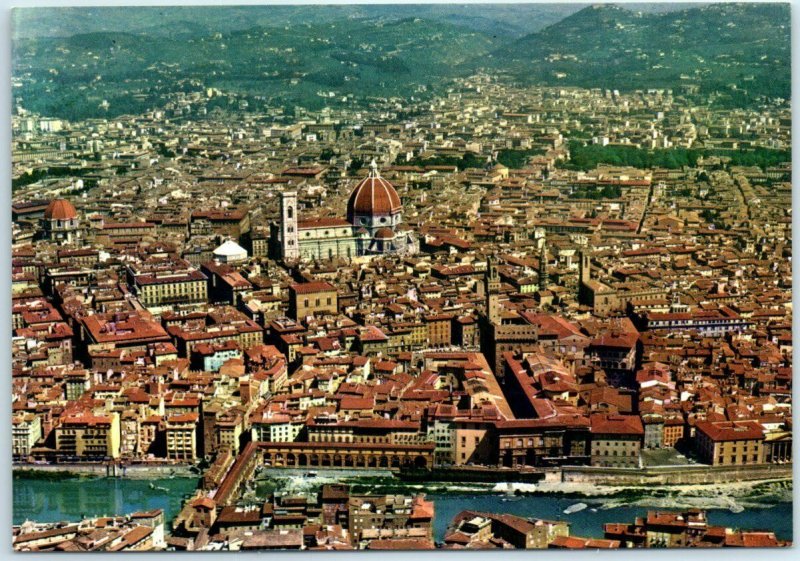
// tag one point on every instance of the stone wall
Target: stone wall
(136, 471)
(681, 475)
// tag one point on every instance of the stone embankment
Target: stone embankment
(135, 471)
(674, 475)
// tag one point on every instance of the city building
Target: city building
(730, 442)
(85, 436)
(616, 440)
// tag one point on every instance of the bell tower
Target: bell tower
(544, 278)
(492, 292)
(584, 268)
(584, 276)
(290, 250)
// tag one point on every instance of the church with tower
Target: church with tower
(502, 330)
(373, 226)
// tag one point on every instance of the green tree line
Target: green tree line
(587, 156)
(468, 160)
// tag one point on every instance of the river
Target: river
(49, 500)
(589, 523)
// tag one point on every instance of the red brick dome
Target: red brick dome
(384, 234)
(60, 209)
(373, 196)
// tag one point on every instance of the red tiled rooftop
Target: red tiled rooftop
(616, 424)
(731, 431)
(312, 287)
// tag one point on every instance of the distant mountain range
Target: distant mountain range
(68, 64)
(510, 20)
(607, 46)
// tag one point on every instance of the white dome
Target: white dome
(231, 249)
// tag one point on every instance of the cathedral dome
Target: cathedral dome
(60, 209)
(373, 196)
(384, 234)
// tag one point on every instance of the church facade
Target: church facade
(373, 226)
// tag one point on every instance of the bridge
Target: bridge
(349, 455)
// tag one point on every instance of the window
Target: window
(290, 212)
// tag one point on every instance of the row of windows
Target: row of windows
(328, 301)
(621, 453)
(721, 460)
(539, 442)
(85, 433)
(175, 286)
(615, 443)
(325, 233)
(179, 438)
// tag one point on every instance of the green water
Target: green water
(51, 499)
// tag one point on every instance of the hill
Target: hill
(508, 20)
(72, 77)
(372, 51)
(712, 47)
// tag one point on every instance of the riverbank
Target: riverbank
(732, 495)
(672, 475)
(136, 471)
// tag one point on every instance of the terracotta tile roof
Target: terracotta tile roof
(731, 430)
(616, 424)
(312, 287)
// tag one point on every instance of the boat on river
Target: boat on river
(577, 507)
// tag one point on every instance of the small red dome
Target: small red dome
(60, 209)
(384, 234)
(373, 196)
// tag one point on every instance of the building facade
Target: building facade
(734, 443)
